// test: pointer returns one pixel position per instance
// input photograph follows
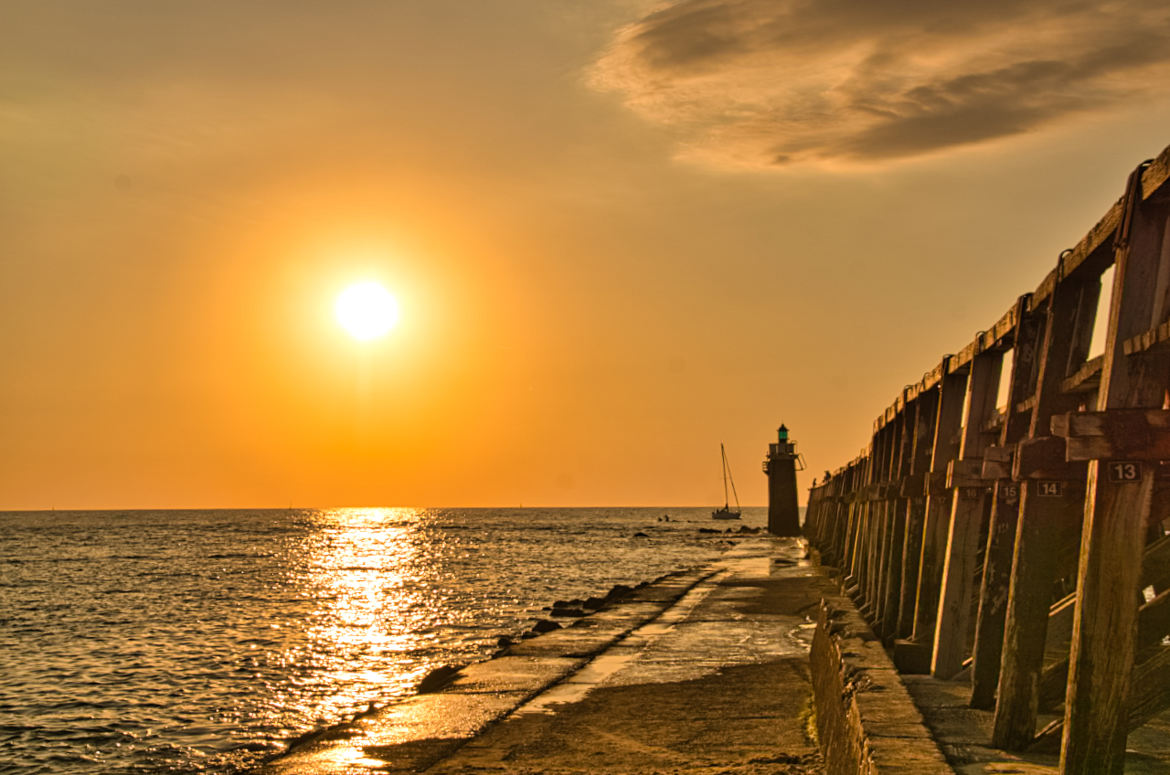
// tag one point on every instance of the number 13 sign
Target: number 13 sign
(1123, 470)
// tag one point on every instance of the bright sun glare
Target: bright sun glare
(366, 310)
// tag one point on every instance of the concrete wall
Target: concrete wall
(866, 721)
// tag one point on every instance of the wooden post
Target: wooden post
(1116, 506)
(953, 625)
(936, 523)
(841, 491)
(914, 489)
(895, 520)
(899, 471)
(877, 524)
(1045, 522)
(1001, 533)
(852, 524)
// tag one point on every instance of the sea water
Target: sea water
(202, 641)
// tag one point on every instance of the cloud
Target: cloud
(761, 83)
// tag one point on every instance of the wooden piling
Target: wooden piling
(953, 626)
(958, 527)
(1117, 503)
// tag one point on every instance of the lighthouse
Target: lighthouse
(780, 466)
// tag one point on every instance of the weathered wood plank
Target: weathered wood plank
(899, 469)
(1151, 689)
(1091, 253)
(1153, 624)
(925, 418)
(1149, 696)
(1138, 434)
(1086, 379)
(1054, 678)
(936, 523)
(1001, 535)
(953, 625)
(993, 593)
(1044, 521)
(1114, 533)
(1025, 626)
(1156, 564)
(1156, 337)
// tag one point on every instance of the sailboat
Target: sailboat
(727, 512)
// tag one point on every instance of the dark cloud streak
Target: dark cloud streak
(775, 82)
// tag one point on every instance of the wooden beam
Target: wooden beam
(891, 608)
(1116, 511)
(953, 626)
(1151, 619)
(1085, 379)
(1156, 564)
(1001, 533)
(1155, 338)
(926, 415)
(1138, 434)
(936, 523)
(1153, 623)
(1149, 697)
(1048, 516)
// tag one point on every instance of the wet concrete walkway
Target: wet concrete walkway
(701, 672)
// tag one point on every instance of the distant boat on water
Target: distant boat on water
(727, 512)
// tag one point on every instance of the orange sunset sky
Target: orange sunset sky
(618, 233)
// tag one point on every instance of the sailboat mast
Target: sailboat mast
(731, 479)
(723, 454)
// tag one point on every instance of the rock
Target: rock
(594, 603)
(370, 710)
(708, 530)
(545, 625)
(618, 592)
(574, 603)
(437, 679)
(504, 641)
(640, 534)
(568, 612)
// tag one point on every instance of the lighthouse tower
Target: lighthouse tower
(780, 466)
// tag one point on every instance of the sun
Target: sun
(366, 310)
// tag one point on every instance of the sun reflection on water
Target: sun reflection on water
(370, 574)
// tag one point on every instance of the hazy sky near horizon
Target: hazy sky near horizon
(619, 233)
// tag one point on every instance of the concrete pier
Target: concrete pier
(700, 672)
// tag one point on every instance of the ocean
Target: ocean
(203, 641)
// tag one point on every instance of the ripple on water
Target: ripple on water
(199, 642)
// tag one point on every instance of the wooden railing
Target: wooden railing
(1026, 543)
